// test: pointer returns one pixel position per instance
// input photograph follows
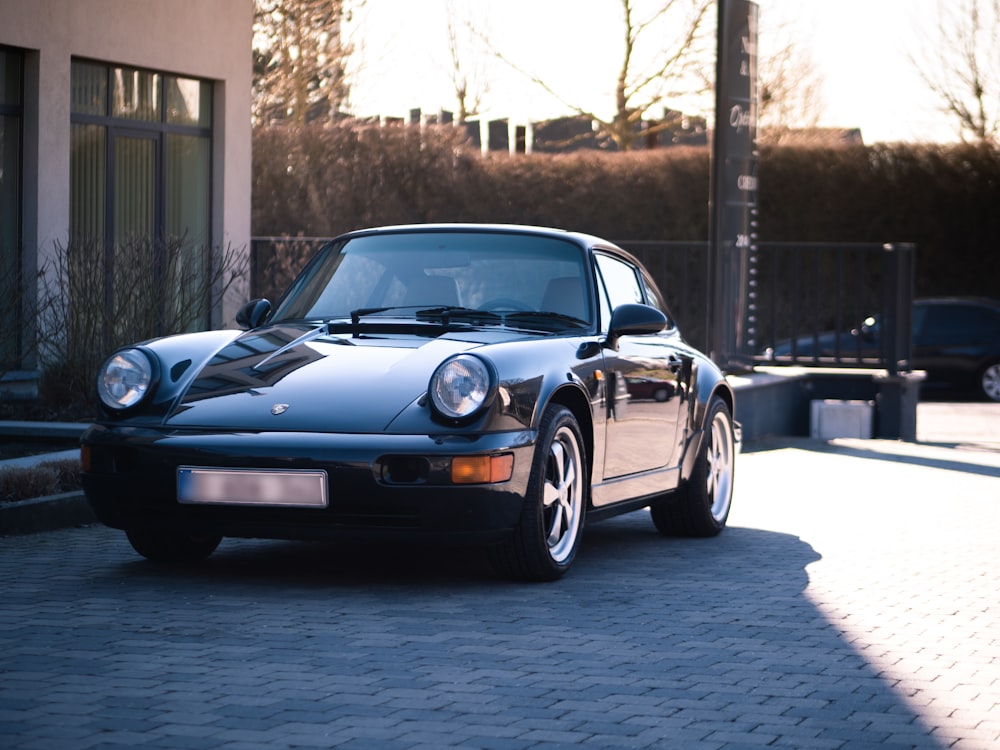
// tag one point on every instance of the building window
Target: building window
(11, 284)
(140, 172)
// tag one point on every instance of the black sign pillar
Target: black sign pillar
(732, 265)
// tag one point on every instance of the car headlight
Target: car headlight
(461, 386)
(125, 379)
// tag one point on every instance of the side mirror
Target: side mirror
(634, 320)
(253, 313)
(868, 329)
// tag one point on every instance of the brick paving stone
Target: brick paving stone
(850, 603)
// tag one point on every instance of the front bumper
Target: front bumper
(378, 485)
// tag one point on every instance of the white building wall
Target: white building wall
(207, 39)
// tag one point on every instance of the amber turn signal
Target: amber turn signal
(482, 469)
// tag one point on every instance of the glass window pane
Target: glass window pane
(11, 288)
(136, 94)
(134, 188)
(10, 78)
(188, 205)
(188, 200)
(189, 102)
(10, 296)
(89, 90)
(88, 162)
(10, 167)
(620, 280)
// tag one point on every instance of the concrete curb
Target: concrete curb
(49, 430)
(49, 513)
(52, 512)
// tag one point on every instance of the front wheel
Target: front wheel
(700, 506)
(172, 546)
(548, 533)
(989, 382)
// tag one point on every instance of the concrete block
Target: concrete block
(829, 419)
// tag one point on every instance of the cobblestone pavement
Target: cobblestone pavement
(852, 603)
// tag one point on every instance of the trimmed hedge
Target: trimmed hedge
(944, 199)
(321, 181)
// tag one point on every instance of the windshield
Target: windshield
(407, 274)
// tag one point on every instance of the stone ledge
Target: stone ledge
(45, 514)
(47, 430)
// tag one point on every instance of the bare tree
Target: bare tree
(962, 66)
(299, 60)
(789, 82)
(470, 87)
(662, 58)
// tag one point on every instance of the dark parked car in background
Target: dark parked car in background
(437, 382)
(956, 340)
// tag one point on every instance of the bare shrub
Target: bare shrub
(20, 309)
(277, 261)
(98, 299)
(23, 482)
(40, 480)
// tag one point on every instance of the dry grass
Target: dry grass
(46, 478)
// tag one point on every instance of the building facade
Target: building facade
(122, 122)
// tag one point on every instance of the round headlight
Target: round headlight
(460, 386)
(125, 379)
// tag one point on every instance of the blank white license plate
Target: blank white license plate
(297, 489)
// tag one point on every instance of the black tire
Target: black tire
(172, 546)
(546, 539)
(700, 506)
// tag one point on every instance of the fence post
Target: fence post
(898, 303)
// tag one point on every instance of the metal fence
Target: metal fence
(836, 305)
(813, 299)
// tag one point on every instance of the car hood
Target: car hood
(301, 378)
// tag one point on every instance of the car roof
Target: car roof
(581, 237)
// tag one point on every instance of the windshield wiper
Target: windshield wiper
(451, 313)
(446, 314)
(364, 312)
(529, 316)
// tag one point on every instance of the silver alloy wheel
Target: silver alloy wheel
(720, 459)
(562, 494)
(990, 382)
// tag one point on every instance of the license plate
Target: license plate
(296, 489)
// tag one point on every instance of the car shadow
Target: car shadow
(700, 640)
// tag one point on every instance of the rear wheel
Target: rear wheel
(172, 546)
(989, 381)
(700, 506)
(548, 534)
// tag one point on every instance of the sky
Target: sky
(863, 50)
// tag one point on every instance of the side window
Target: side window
(653, 297)
(621, 281)
(959, 324)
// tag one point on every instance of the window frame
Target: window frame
(158, 130)
(153, 120)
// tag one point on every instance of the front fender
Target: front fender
(707, 383)
(179, 359)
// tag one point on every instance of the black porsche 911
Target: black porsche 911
(466, 383)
